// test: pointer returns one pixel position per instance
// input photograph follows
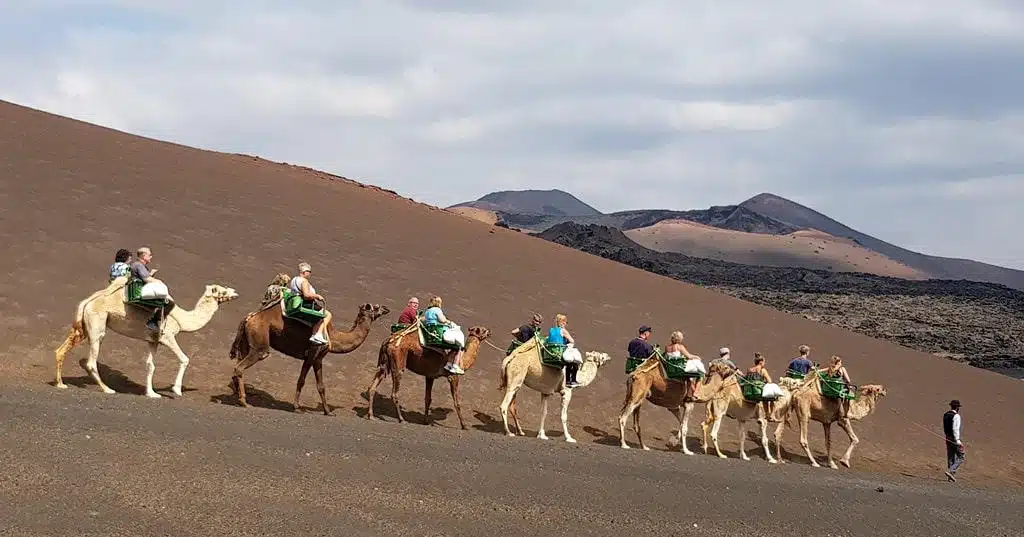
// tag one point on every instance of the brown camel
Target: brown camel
(268, 329)
(650, 381)
(404, 350)
(807, 403)
(729, 401)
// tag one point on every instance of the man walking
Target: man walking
(954, 447)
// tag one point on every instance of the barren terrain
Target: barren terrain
(805, 248)
(73, 193)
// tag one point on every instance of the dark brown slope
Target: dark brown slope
(793, 213)
(533, 202)
(72, 193)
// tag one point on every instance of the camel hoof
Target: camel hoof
(744, 457)
(329, 413)
(151, 395)
(645, 448)
(61, 385)
(513, 435)
(845, 463)
(176, 391)
(107, 390)
(624, 446)
(687, 453)
(542, 437)
(772, 461)
(570, 440)
(833, 466)
(720, 456)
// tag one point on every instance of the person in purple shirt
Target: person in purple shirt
(639, 348)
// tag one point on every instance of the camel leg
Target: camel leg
(303, 373)
(714, 434)
(741, 426)
(828, 445)
(627, 409)
(171, 343)
(778, 442)
(453, 383)
(396, 384)
(541, 433)
(150, 368)
(708, 420)
(683, 415)
(804, 423)
(427, 392)
(764, 441)
(371, 391)
(96, 334)
(637, 430)
(74, 337)
(506, 402)
(318, 372)
(250, 360)
(847, 426)
(515, 417)
(566, 397)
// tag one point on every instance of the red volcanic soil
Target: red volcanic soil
(811, 249)
(73, 193)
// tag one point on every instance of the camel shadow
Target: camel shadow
(384, 407)
(116, 379)
(263, 399)
(602, 437)
(489, 424)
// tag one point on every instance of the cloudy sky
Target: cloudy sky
(903, 119)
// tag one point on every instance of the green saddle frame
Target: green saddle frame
(551, 354)
(133, 294)
(433, 336)
(835, 388)
(795, 374)
(752, 389)
(304, 311)
(674, 368)
(398, 327)
(633, 363)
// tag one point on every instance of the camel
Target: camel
(524, 367)
(807, 403)
(106, 309)
(728, 401)
(268, 328)
(650, 381)
(404, 350)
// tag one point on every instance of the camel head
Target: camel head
(599, 358)
(717, 367)
(872, 390)
(479, 332)
(281, 279)
(373, 311)
(788, 383)
(219, 293)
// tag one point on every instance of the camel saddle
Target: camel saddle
(835, 387)
(551, 353)
(432, 335)
(133, 296)
(675, 369)
(304, 311)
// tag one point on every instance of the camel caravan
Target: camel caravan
(294, 320)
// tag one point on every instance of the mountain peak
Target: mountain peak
(551, 202)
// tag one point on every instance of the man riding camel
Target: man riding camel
(153, 288)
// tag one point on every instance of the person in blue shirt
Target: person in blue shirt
(559, 335)
(120, 266)
(801, 364)
(452, 334)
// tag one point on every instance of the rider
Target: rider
(526, 332)
(639, 348)
(435, 316)
(723, 356)
(676, 349)
(300, 285)
(120, 266)
(801, 365)
(411, 311)
(559, 335)
(836, 370)
(152, 288)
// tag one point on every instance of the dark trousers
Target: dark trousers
(953, 456)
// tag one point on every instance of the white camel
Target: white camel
(106, 309)
(524, 367)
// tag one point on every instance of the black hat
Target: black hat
(644, 328)
(955, 403)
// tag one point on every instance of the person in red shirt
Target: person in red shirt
(410, 313)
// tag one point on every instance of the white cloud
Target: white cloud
(857, 106)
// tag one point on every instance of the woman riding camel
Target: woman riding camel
(300, 285)
(559, 335)
(837, 371)
(676, 349)
(452, 333)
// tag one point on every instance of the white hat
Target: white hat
(303, 267)
(723, 351)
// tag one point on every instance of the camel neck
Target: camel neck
(196, 318)
(343, 342)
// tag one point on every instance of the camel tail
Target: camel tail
(240, 346)
(75, 336)
(503, 374)
(384, 362)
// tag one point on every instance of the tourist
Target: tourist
(434, 316)
(120, 266)
(639, 347)
(526, 332)
(152, 289)
(411, 311)
(955, 451)
(801, 365)
(300, 285)
(559, 335)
